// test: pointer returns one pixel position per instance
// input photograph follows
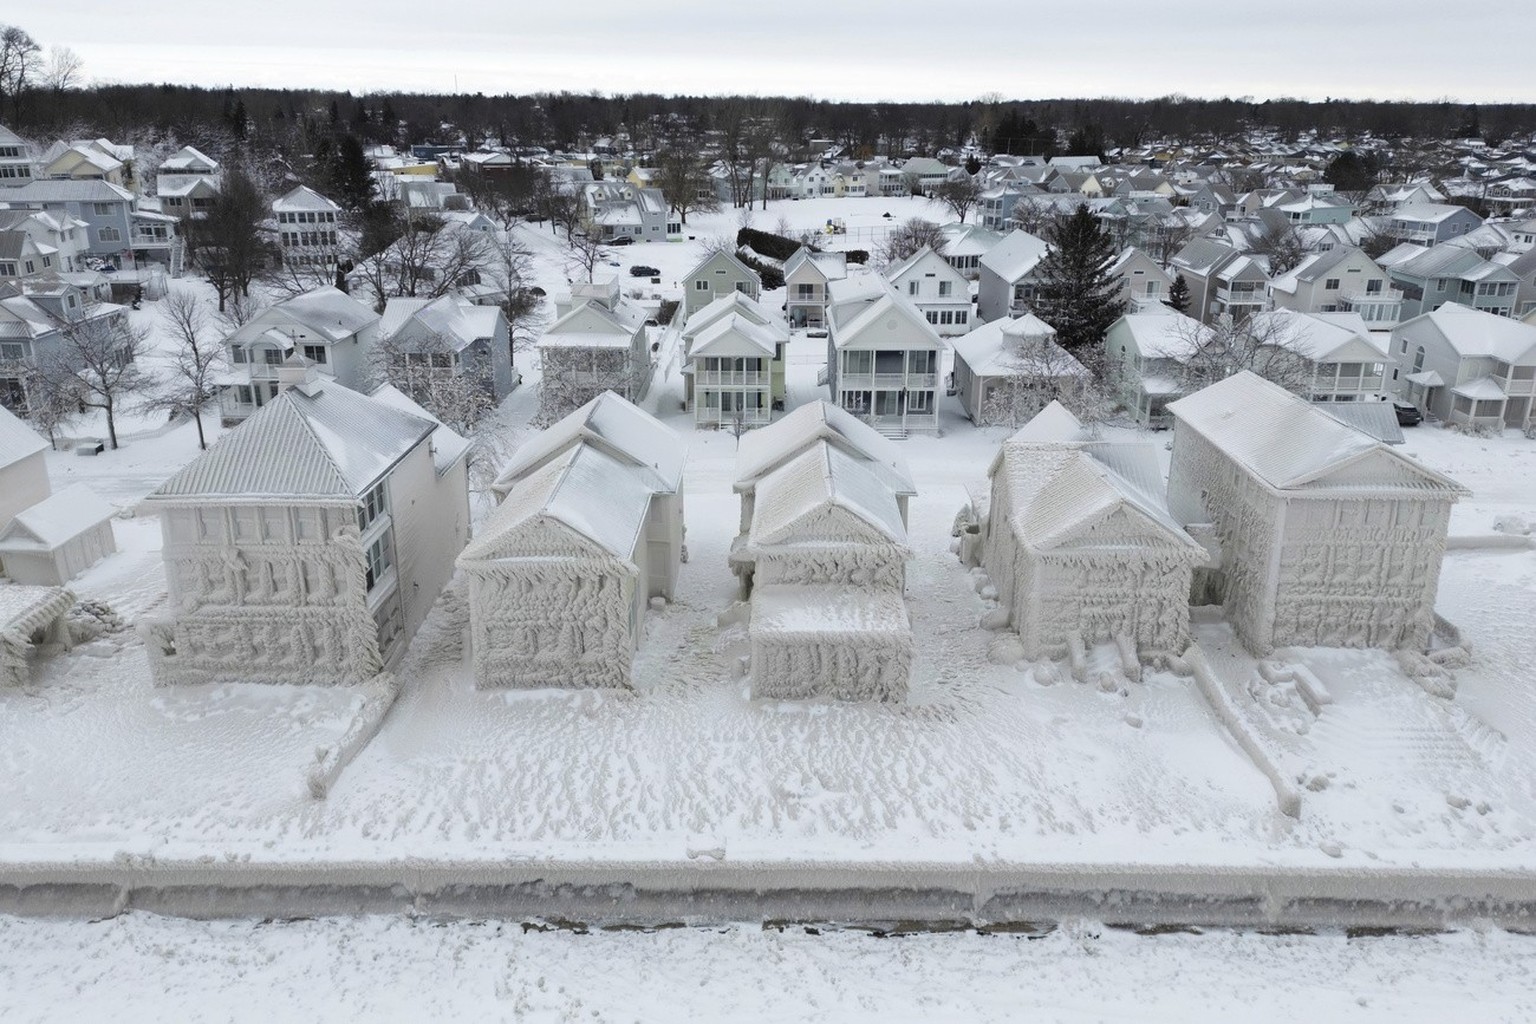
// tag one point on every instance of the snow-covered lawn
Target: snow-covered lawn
(139, 967)
(985, 764)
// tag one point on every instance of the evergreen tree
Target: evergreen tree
(351, 177)
(1178, 296)
(1077, 295)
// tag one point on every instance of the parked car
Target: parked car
(621, 240)
(1408, 414)
(640, 270)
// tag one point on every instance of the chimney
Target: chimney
(298, 372)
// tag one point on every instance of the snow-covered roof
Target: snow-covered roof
(1025, 345)
(303, 199)
(1055, 424)
(1282, 439)
(763, 450)
(620, 428)
(187, 159)
(583, 488)
(593, 325)
(310, 442)
(448, 446)
(1379, 419)
(1482, 388)
(451, 317)
(832, 265)
(17, 440)
(735, 335)
(56, 520)
(800, 492)
(733, 303)
(1428, 213)
(849, 321)
(329, 311)
(1475, 332)
(69, 190)
(1165, 334)
(1316, 336)
(1016, 255)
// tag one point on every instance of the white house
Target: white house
(597, 343)
(1144, 284)
(1006, 281)
(187, 183)
(1008, 370)
(1468, 367)
(1148, 352)
(17, 164)
(1349, 363)
(882, 357)
(730, 363)
(1341, 280)
(308, 544)
(939, 291)
(23, 471)
(325, 326)
(827, 542)
(806, 276)
(716, 276)
(1328, 537)
(752, 317)
(965, 245)
(306, 224)
(1079, 542)
(441, 342)
(58, 538)
(589, 530)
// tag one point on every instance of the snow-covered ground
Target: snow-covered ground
(986, 767)
(139, 967)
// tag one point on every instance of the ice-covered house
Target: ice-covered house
(590, 528)
(762, 452)
(443, 342)
(1008, 369)
(1329, 538)
(29, 617)
(23, 471)
(58, 538)
(718, 275)
(597, 343)
(1080, 544)
(327, 327)
(829, 546)
(939, 291)
(308, 544)
(806, 276)
(882, 356)
(1148, 352)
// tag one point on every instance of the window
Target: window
(109, 234)
(379, 560)
(104, 209)
(1331, 285)
(944, 288)
(243, 394)
(371, 508)
(12, 351)
(962, 316)
(805, 291)
(237, 354)
(1418, 359)
(1373, 287)
(917, 401)
(7, 268)
(912, 287)
(272, 356)
(701, 285)
(744, 287)
(316, 353)
(31, 267)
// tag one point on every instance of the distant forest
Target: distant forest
(221, 117)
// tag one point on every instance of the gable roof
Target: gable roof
(307, 443)
(924, 255)
(1476, 332)
(1016, 255)
(450, 316)
(329, 311)
(1055, 424)
(998, 348)
(69, 190)
(620, 428)
(824, 477)
(748, 336)
(1166, 334)
(849, 320)
(593, 325)
(1283, 440)
(17, 440)
(303, 199)
(760, 451)
(730, 259)
(57, 519)
(737, 304)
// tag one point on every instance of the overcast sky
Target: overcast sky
(896, 49)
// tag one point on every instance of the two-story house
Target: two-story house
(1469, 367)
(1006, 276)
(1348, 363)
(60, 233)
(1221, 279)
(328, 329)
(1431, 277)
(748, 357)
(806, 275)
(1341, 280)
(1008, 370)
(1148, 352)
(17, 166)
(1431, 223)
(89, 160)
(1144, 284)
(309, 543)
(717, 275)
(115, 229)
(597, 343)
(187, 183)
(965, 245)
(443, 343)
(939, 291)
(883, 356)
(617, 209)
(306, 225)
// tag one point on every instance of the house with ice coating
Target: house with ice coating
(1328, 537)
(1079, 542)
(829, 548)
(883, 356)
(1006, 370)
(761, 452)
(589, 530)
(597, 343)
(23, 471)
(308, 544)
(733, 362)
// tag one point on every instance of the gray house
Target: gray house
(1431, 277)
(116, 229)
(1342, 280)
(718, 275)
(1432, 223)
(1005, 283)
(1469, 367)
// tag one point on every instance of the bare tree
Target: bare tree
(559, 203)
(959, 195)
(909, 238)
(585, 252)
(20, 64)
(1268, 344)
(239, 311)
(572, 377)
(430, 259)
(1168, 234)
(683, 175)
(1282, 244)
(1038, 371)
(1033, 214)
(196, 360)
(431, 372)
(96, 362)
(62, 72)
(48, 404)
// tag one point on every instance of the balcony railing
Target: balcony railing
(1516, 385)
(747, 417)
(889, 381)
(748, 378)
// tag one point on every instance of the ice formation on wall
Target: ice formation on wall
(27, 614)
(1079, 543)
(1328, 537)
